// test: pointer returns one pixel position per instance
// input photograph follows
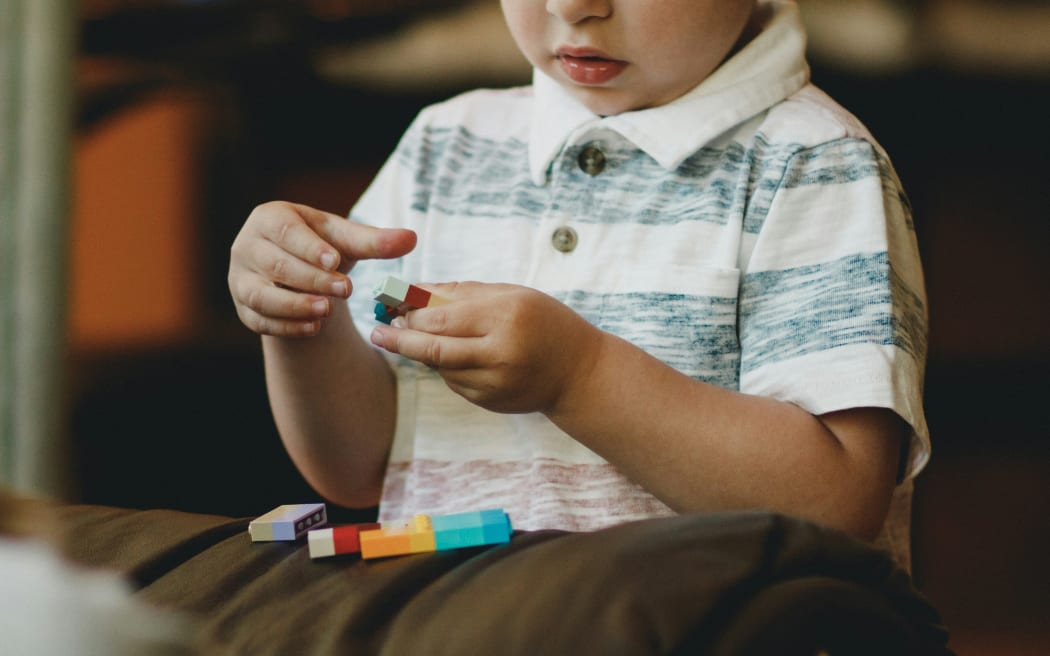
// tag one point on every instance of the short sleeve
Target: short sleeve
(832, 304)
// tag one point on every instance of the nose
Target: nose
(574, 11)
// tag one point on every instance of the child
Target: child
(697, 288)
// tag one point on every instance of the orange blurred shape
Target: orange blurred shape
(134, 266)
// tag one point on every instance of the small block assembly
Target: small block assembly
(417, 534)
(395, 297)
(288, 522)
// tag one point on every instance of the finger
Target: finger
(282, 267)
(357, 241)
(276, 327)
(438, 351)
(256, 294)
(464, 319)
(461, 290)
(292, 229)
(470, 289)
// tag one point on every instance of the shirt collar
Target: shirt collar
(767, 70)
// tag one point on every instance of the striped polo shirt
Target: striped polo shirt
(750, 234)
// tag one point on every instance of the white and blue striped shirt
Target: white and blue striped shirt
(751, 234)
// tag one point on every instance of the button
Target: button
(591, 160)
(565, 239)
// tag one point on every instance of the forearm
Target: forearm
(334, 401)
(699, 447)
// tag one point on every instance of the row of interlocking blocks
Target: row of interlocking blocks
(418, 534)
(395, 297)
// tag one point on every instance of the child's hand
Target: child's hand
(289, 260)
(503, 347)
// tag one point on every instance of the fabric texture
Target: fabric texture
(716, 584)
(750, 234)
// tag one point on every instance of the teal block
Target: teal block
(445, 540)
(491, 515)
(497, 531)
(456, 521)
(383, 313)
(457, 538)
(471, 529)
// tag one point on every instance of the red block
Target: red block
(347, 538)
(417, 297)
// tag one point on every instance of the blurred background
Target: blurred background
(137, 135)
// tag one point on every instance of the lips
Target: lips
(589, 66)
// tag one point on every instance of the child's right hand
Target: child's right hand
(289, 261)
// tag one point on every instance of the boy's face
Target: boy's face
(619, 55)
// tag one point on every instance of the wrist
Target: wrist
(581, 383)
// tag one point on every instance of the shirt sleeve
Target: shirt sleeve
(832, 303)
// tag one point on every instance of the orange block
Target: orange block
(409, 536)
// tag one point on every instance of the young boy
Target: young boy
(698, 288)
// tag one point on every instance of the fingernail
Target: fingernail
(399, 322)
(320, 306)
(339, 288)
(377, 336)
(328, 260)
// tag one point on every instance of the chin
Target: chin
(604, 102)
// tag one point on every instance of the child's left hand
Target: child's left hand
(506, 348)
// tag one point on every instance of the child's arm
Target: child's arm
(331, 393)
(693, 445)
(700, 447)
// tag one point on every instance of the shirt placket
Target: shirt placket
(573, 196)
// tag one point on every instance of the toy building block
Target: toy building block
(287, 523)
(471, 529)
(398, 538)
(395, 297)
(417, 297)
(422, 533)
(391, 291)
(337, 540)
(385, 313)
